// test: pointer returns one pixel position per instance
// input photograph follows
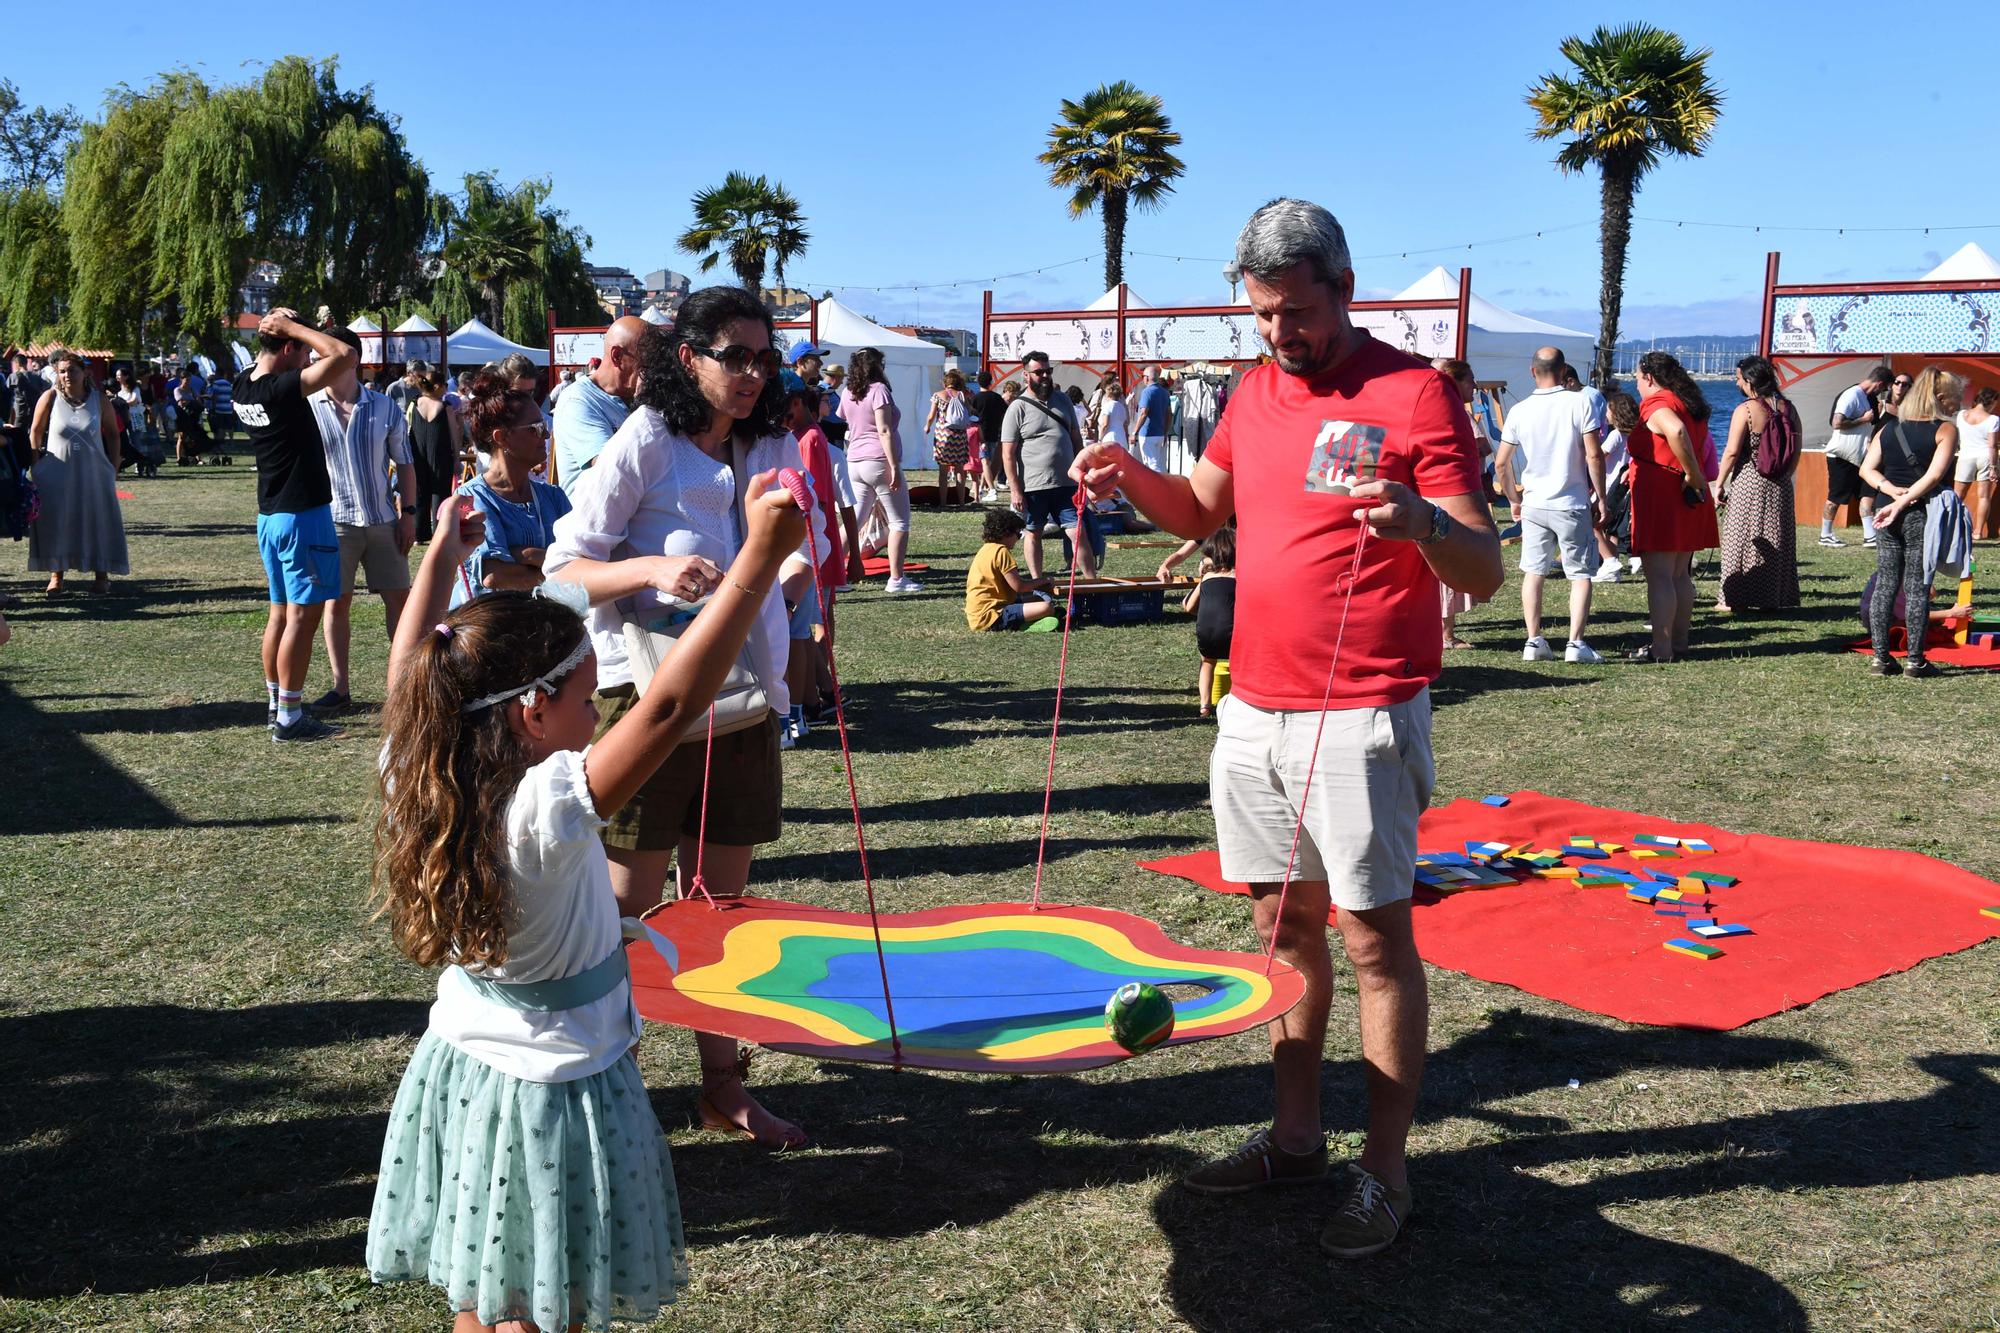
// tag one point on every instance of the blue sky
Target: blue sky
(909, 134)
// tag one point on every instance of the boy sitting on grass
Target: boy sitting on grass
(996, 596)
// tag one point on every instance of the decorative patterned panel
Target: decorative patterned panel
(1914, 323)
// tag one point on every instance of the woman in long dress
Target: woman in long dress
(1760, 562)
(78, 449)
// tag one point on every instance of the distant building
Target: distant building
(664, 281)
(259, 291)
(619, 291)
(958, 342)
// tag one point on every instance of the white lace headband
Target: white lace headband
(546, 681)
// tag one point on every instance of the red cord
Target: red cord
(1062, 670)
(698, 884)
(1292, 857)
(824, 598)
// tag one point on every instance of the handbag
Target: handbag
(743, 701)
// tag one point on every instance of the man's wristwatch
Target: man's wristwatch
(1440, 527)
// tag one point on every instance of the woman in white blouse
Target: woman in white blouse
(658, 518)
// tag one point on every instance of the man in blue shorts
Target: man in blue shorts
(295, 529)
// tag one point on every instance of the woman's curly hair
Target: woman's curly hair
(441, 873)
(666, 386)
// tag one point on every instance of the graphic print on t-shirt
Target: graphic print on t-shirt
(1345, 455)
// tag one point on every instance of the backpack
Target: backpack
(954, 414)
(1778, 446)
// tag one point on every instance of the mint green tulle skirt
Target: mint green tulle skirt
(550, 1202)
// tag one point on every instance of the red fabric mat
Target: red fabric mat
(1826, 917)
(877, 565)
(1946, 653)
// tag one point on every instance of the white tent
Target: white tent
(915, 368)
(474, 344)
(1109, 301)
(1970, 263)
(418, 324)
(653, 315)
(1500, 343)
(363, 324)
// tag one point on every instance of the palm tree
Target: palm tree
(1638, 94)
(747, 220)
(494, 239)
(1110, 151)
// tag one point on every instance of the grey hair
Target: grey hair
(1286, 232)
(1552, 366)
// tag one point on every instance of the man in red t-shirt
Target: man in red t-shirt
(1351, 470)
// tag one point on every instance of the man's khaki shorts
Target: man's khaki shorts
(1372, 781)
(372, 548)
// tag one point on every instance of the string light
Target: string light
(1543, 233)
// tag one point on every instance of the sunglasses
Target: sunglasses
(737, 359)
(1904, 384)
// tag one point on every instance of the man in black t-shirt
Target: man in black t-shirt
(991, 409)
(295, 529)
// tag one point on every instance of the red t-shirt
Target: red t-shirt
(1379, 414)
(819, 465)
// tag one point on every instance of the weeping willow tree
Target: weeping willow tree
(295, 170)
(115, 161)
(34, 265)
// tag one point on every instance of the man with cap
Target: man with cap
(590, 412)
(802, 367)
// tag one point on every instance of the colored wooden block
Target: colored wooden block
(1656, 839)
(1641, 895)
(1990, 911)
(1645, 853)
(1610, 846)
(1575, 840)
(1696, 923)
(1495, 801)
(1693, 949)
(1598, 882)
(1586, 853)
(1696, 845)
(1560, 872)
(1711, 877)
(1669, 895)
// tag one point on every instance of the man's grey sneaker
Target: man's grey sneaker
(307, 728)
(1259, 1162)
(1370, 1219)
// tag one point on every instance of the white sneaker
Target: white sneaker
(904, 584)
(1608, 572)
(1634, 565)
(1579, 651)
(785, 738)
(844, 588)
(1537, 650)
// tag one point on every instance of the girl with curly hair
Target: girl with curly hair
(524, 1096)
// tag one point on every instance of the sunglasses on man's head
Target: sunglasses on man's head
(738, 359)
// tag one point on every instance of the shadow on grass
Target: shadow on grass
(1498, 1241)
(895, 717)
(156, 1146)
(60, 784)
(1150, 798)
(988, 856)
(140, 599)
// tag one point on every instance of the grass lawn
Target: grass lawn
(201, 1031)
